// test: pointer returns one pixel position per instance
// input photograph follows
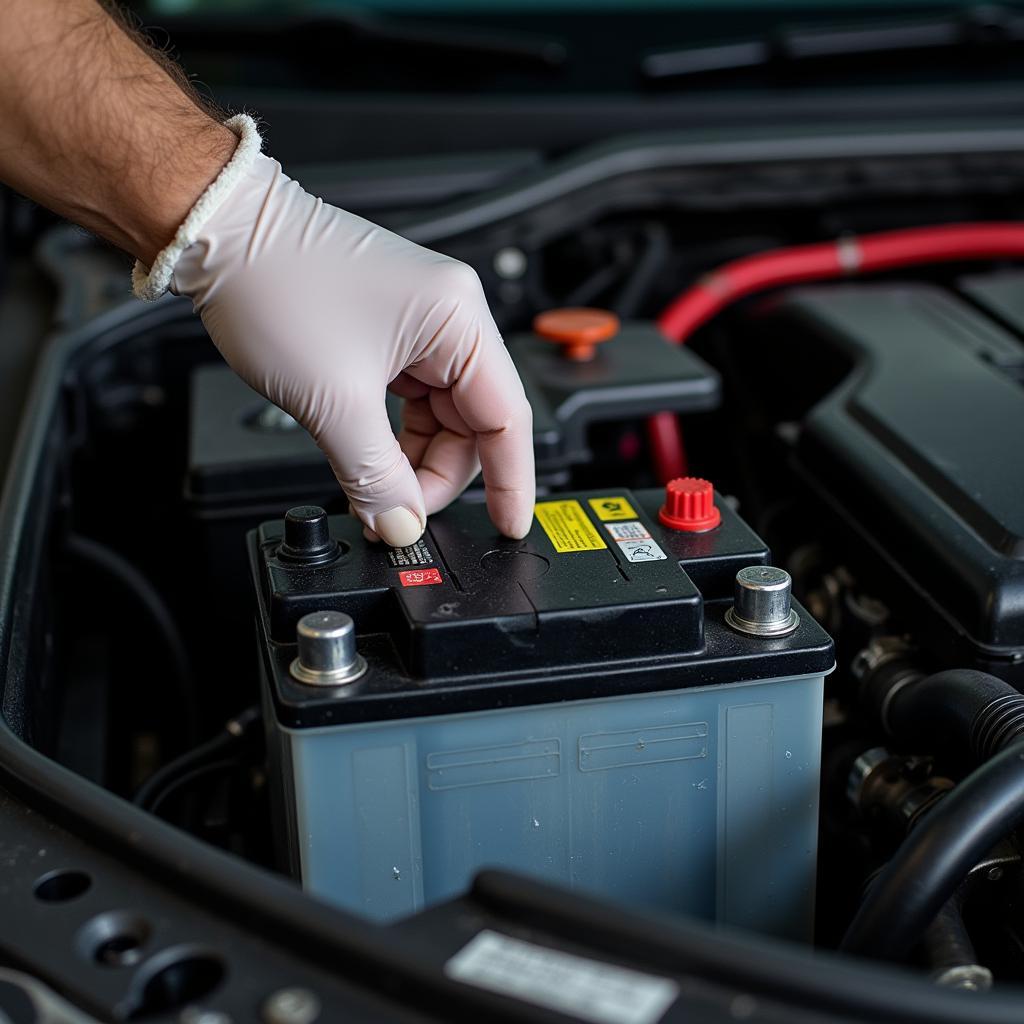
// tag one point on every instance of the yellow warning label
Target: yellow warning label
(567, 526)
(610, 509)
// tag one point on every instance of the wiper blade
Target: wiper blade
(978, 28)
(295, 32)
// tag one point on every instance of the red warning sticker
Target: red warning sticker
(419, 577)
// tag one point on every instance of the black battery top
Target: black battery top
(598, 581)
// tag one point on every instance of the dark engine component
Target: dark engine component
(246, 455)
(632, 375)
(919, 451)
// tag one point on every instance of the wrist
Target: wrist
(150, 279)
(151, 220)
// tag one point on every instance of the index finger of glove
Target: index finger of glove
(490, 398)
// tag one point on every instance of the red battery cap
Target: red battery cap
(690, 505)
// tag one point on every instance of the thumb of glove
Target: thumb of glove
(375, 474)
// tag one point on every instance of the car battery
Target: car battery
(584, 705)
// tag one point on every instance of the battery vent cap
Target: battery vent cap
(690, 505)
(307, 537)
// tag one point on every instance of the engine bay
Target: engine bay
(590, 706)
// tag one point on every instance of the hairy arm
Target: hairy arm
(97, 127)
(94, 125)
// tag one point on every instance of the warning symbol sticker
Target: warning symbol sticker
(414, 554)
(610, 509)
(628, 531)
(568, 526)
(641, 550)
(420, 577)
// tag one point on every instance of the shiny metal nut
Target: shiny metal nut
(862, 768)
(968, 977)
(292, 1006)
(762, 602)
(327, 650)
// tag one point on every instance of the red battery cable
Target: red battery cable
(822, 261)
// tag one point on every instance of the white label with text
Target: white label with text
(587, 989)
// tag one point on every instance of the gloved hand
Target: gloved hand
(322, 311)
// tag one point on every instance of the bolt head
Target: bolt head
(292, 1006)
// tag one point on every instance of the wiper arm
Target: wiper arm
(983, 27)
(296, 32)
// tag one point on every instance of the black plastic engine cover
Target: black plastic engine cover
(921, 449)
(635, 374)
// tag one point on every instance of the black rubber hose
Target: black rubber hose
(121, 571)
(232, 737)
(190, 778)
(974, 712)
(946, 942)
(936, 857)
(645, 271)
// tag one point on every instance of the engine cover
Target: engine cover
(921, 451)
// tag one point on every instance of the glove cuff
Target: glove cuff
(152, 283)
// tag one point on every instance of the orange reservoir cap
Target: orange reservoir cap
(579, 330)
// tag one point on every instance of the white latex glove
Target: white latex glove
(322, 312)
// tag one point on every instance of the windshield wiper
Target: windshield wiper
(299, 34)
(983, 28)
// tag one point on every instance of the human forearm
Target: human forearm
(317, 309)
(96, 129)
